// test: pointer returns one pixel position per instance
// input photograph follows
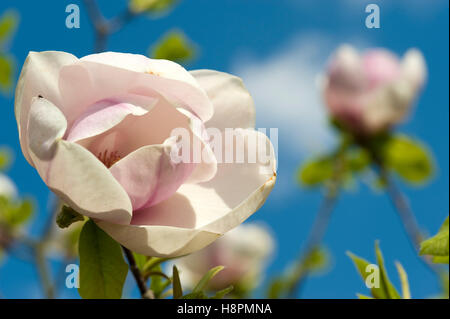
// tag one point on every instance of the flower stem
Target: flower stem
(145, 292)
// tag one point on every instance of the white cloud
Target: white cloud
(286, 95)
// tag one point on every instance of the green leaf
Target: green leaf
(360, 296)
(201, 285)
(6, 72)
(408, 158)
(15, 213)
(196, 295)
(5, 158)
(174, 46)
(315, 172)
(357, 160)
(317, 260)
(222, 293)
(440, 259)
(151, 6)
(385, 290)
(140, 260)
(153, 262)
(385, 283)
(437, 245)
(102, 267)
(406, 294)
(177, 289)
(8, 24)
(67, 216)
(276, 288)
(361, 266)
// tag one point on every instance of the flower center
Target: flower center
(109, 159)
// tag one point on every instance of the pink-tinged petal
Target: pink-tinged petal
(200, 151)
(149, 175)
(345, 71)
(142, 64)
(134, 132)
(39, 76)
(381, 67)
(71, 171)
(233, 104)
(106, 114)
(94, 80)
(200, 213)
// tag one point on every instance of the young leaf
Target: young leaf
(15, 213)
(222, 293)
(385, 283)
(5, 158)
(404, 280)
(177, 289)
(201, 285)
(8, 24)
(315, 172)
(357, 160)
(6, 72)
(408, 158)
(67, 216)
(361, 265)
(437, 245)
(174, 46)
(151, 6)
(196, 295)
(360, 296)
(440, 259)
(153, 262)
(103, 269)
(385, 289)
(140, 260)
(276, 288)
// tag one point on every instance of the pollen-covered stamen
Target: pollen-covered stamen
(109, 159)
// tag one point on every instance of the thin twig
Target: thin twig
(43, 270)
(321, 222)
(407, 216)
(103, 27)
(145, 292)
(313, 242)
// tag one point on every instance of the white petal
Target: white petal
(233, 104)
(414, 68)
(39, 76)
(7, 187)
(71, 171)
(84, 183)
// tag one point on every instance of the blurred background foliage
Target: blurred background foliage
(8, 24)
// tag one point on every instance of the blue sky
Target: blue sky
(278, 47)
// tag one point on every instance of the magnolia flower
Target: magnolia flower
(242, 251)
(7, 187)
(370, 92)
(98, 131)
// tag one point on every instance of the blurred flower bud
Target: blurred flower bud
(7, 187)
(371, 92)
(243, 251)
